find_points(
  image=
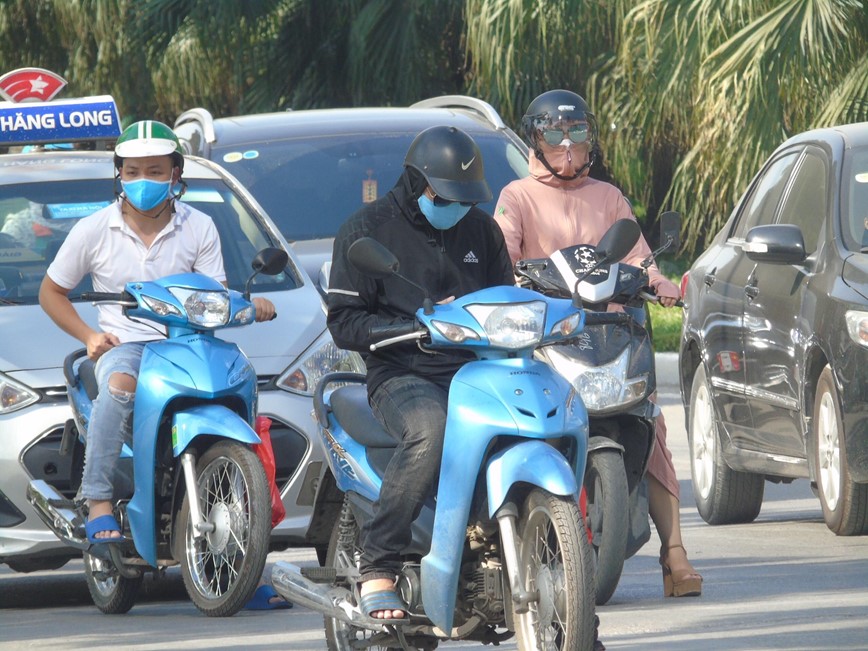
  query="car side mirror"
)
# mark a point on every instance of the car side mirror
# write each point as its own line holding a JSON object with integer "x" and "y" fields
{"x": 775, "y": 243}
{"x": 325, "y": 271}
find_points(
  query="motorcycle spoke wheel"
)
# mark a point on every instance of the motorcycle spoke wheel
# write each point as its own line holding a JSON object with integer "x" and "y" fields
{"x": 222, "y": 568}
{"x": 558, "y": 574}
{"x": 344, "y": 552}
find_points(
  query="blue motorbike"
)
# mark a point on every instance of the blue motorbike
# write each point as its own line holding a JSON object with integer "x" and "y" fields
{"x": 190, "y": 490}
{"x": 502, "y": 549}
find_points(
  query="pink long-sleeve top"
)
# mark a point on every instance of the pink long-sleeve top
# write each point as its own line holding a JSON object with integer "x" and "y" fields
{"x": 540, "y": 214}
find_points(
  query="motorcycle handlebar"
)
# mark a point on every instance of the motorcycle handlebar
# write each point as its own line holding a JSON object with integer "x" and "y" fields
{"x": 386, "y": 335}
{"x": 104, "y": 296}
{"x": 653, "y": 298}
{"x": 605, "y": 318}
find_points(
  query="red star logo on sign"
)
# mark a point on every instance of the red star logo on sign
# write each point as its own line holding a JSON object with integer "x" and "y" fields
{"x": 30, "y": 85}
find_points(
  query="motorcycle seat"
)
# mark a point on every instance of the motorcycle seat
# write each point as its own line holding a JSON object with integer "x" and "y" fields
{"x": 350, "y": 406}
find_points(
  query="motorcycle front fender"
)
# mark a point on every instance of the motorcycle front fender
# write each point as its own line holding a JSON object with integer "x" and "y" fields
{"x": 215, "y": 420}
{"x": 211, "y": 420}
{"x": 530, "y": 462}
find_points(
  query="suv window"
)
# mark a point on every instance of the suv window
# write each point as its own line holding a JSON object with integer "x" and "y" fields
{"x": 761, "y": 206}
{"x": 855, "y": 193}
{"x": 36, "y": 217}
{"x": 310, "y": 186}
{"x": 805, "y": 202}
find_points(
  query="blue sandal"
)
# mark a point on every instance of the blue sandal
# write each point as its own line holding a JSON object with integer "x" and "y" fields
{"x": 262, "y": 600}
{"x": 383, "y": 600}
{"x": 100, "y": 524}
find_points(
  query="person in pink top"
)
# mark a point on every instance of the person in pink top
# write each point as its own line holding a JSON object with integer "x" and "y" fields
{"x": 559, "y": 205}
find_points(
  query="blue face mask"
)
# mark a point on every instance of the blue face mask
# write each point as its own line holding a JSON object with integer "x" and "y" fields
{"x": 145, "y": 194}
{"x": 442, "y": 217}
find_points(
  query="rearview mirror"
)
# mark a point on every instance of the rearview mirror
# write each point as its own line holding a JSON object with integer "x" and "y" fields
{"x": 670, "y": 230}
{"x": 618, "y": 241}
{"x": 372, "y": 259}
{"x": 270, "y": 261}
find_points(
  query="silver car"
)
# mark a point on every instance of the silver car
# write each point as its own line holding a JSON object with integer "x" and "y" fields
{"x": 312, "y": 169}
{"x": 43, "y": 192}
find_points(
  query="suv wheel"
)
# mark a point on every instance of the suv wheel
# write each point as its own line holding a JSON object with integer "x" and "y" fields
{"x": 845, "y": 503}
{"x": 723, "y": 495}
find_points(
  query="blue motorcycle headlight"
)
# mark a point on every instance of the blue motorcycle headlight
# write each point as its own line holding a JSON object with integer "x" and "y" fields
{"x": 511, "y": 325}
{"x": 204, "y": 308}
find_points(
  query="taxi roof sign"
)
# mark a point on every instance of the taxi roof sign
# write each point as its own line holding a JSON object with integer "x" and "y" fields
{"x": 31, "y": 85}
{"x": 72, "y": 120}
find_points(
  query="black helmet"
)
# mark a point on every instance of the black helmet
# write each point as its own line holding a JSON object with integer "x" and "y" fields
{"x": 451, "y": 163}
{"x": 553, "y": 107}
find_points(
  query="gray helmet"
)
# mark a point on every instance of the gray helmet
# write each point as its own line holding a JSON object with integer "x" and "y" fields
{"x": 451, "y": 163}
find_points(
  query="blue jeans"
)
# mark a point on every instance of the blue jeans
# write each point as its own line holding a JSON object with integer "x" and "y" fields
{"x": 413, "y": 410}
{"x": 110, "y": 421}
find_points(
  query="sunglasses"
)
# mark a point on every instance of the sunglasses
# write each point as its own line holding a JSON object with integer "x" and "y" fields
{"x": 577, "y": 133}
{"x": 441, "y": 202}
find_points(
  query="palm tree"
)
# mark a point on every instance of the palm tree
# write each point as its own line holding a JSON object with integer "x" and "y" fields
{"x": 261, "y": 55}
{"x": 693, "y": 95}
{"x": 521, "y": 48}
{"x": 706, "y": 90}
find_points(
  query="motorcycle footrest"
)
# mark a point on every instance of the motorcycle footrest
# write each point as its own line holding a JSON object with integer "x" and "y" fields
{"x": 326, "y": 574}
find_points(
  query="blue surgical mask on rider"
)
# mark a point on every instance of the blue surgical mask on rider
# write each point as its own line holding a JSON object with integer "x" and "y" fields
{"x": 145, "y": 194}
{"x": 442, "y": 217}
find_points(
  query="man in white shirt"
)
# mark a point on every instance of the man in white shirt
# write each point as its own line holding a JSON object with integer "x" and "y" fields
{"x": 144, "y": 235}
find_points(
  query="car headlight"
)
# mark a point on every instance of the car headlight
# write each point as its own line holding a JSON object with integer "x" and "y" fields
{"x": 603, "y": 388}
{"x": 206, "y": 309}
{"x": 857, "y": 326}
{"x": 512, "y": 325}
{"x": 321, "y": 358}
{"x": 14, "y": 395}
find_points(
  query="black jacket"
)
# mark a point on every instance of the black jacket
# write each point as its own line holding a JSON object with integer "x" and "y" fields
{"x": 469, "y": 256}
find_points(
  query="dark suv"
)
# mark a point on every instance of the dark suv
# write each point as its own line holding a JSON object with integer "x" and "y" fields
{"x": 774, "y": 349}
{"x": 312, "y": 169}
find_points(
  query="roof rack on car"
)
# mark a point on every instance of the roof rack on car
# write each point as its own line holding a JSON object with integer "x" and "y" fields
{"x": 481, "y": 107}
{"x": 202, "y": 116}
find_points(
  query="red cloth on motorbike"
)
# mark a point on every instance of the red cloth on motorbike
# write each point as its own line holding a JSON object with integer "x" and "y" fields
{"x": 266, "y": 455}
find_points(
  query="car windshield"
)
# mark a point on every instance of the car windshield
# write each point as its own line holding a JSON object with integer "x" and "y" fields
{"x": 309, "y": 186}
{"x": 856, "y": 193}
{"x": 36, "y": 217}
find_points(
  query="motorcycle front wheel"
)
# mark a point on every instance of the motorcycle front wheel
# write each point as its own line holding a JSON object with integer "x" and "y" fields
{"x": 559, "y": 570}
{"x": 608, "y": 518}
{"x": 111, "y": 593}
{"x": 222, "y": 568}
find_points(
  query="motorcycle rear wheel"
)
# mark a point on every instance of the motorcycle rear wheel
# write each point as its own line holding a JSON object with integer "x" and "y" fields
{"x": 111, "y": 593}
{"x": 558, "y": 565}
{"x": 608, "y": 518}
{"x": 222, "y": 569}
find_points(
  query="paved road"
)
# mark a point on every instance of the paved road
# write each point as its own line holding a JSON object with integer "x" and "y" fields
{"x": 782, "y": 582}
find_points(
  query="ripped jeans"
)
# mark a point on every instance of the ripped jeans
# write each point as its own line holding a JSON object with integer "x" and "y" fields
{"x": 110, "y": 421}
